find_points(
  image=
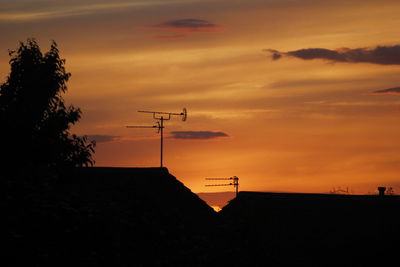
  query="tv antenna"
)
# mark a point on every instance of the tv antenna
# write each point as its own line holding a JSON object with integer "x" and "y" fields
{"x": 161, "y": 117}
{"x": 234, "y": 181}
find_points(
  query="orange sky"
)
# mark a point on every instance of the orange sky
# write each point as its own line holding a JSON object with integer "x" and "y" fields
{"x": 292, "y": 124}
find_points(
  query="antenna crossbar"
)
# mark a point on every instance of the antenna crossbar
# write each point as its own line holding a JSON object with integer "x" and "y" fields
{"x": 218, "y": 184}
{"x": 154, "y": 126}
{"x": 219, "y": 178}
{"x": 169, "y": 114}
{"x": 160, "y": 112}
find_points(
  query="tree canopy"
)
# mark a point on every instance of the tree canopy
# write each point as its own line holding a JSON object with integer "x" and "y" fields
{"x": 35, "y": 121}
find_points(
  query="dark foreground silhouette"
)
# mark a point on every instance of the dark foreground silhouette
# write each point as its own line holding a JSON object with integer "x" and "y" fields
{"x": 313, "y": 229}
{"x": 146, "y": 217}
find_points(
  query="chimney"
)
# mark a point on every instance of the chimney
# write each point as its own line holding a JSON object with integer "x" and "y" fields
{"x": 381, "y": 190}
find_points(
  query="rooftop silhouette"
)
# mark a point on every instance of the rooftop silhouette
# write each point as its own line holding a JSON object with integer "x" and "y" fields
{"x": 102, "y": 216}
{"x": 314, "y": 229}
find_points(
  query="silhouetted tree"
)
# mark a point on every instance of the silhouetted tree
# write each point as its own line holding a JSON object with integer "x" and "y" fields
{"x": 34, "y": 119}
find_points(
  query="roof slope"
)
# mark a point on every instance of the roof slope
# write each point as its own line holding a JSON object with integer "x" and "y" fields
{"x": 145, "y": 188}
{"x": 147, "y": 212}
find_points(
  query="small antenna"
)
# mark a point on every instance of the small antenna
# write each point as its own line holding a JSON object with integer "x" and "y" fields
{"x": 160, "y": 116}
{"x": 235, "y": 182}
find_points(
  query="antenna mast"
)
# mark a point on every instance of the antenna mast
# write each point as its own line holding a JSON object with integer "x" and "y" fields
{"x": 161, "y": 117}
{"x": 234, "y": 179}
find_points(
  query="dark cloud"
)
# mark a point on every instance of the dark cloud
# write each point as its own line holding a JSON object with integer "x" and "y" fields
{"x": 188, "y": 23}
{"x": 197, "y": 135}
{"x": 275, "y": 54}
{"x": 184, "y": 26}
{"x": 383, "y": 55}
{"x": 390, "y": 91}
{"x": 102, "y": 138}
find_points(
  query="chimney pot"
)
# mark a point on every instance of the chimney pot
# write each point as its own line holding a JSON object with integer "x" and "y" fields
{"x": 381, "y": 190}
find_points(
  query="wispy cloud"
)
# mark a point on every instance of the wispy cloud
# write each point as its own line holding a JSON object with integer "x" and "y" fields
{"x": 390, "y": 91}
{"x": 42, "y": 11}
{"x": 383, "y": 55}
{"x": 188, "y": 25}
{"x": 198, "y": 135}
{"x": 183, "y": 27}
{"x": 102, "y": 138}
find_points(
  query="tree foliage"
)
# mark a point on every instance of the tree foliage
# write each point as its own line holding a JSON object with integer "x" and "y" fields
{"x": 35, "y": 122}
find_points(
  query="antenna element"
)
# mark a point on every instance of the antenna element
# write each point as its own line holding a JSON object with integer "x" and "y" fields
{"x": 235, "y": 182}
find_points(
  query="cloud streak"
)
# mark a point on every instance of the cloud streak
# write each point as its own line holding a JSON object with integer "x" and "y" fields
{"x": 102, "y": 138}
{"x": 183, "y": 27}
{"x": 43, "y": 11}
{"x": 382, "y": 55}
{"x": 190, "y": 25}
{"x": 197, "y": 135}
{"x": 390, "y": 91}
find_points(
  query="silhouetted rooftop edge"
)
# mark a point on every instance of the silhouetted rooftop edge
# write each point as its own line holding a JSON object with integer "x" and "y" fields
{"x": 306, "y": 195}
{"x": 154, "y": 184}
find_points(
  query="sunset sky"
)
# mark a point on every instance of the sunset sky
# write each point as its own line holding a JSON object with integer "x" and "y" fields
{"x": 288, "y": 95}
